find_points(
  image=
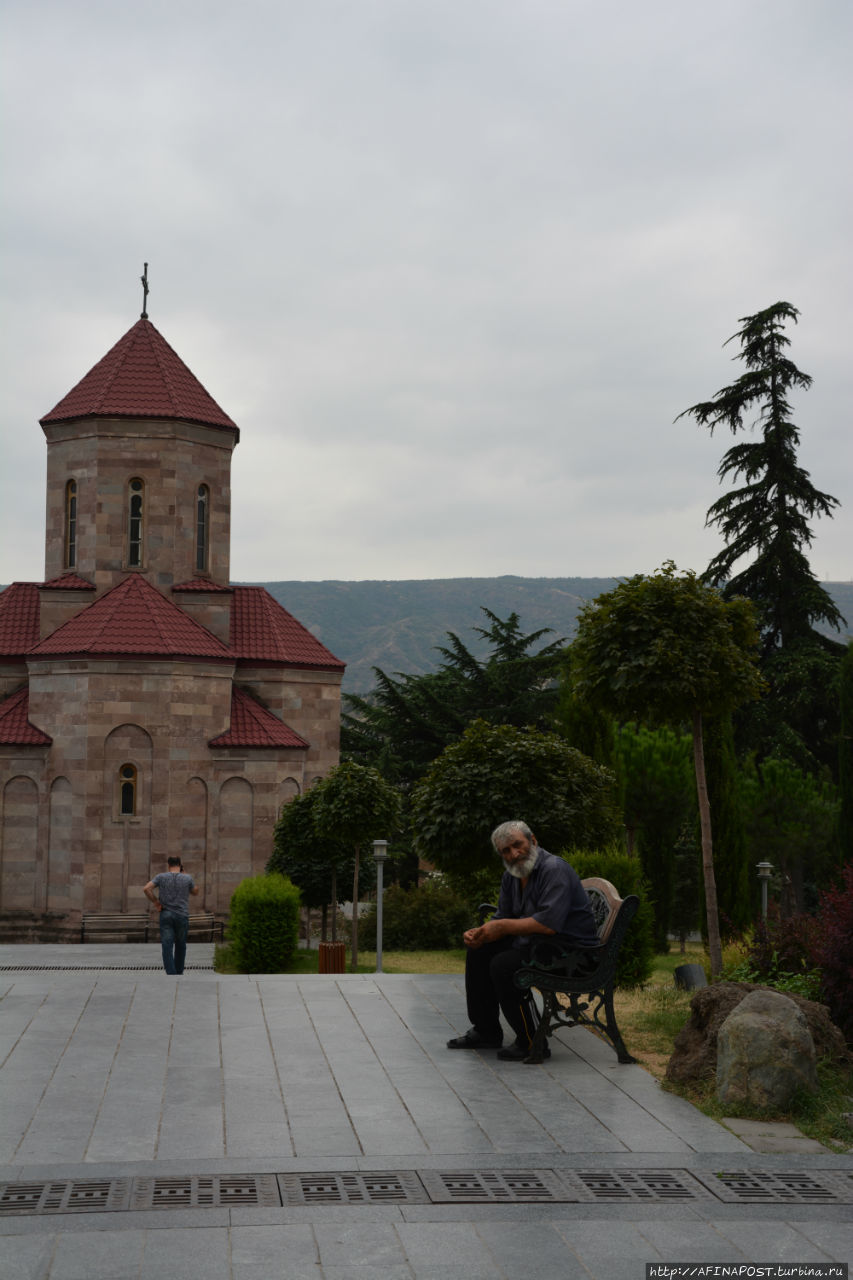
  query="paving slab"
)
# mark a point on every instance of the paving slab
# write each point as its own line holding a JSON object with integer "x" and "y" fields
{"x": 115, "y": 1074}
{"x": 772, "y": 1135}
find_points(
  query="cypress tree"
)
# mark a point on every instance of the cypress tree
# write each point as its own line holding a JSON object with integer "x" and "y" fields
{"x": 845, "y": 756}
{"x": 731, "y": 851}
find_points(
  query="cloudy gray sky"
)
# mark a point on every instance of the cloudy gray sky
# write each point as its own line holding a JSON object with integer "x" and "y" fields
{"x": 453, "y": 266}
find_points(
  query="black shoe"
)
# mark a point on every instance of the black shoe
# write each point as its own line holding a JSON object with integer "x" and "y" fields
{"x": 472, "y": 1039}
{"x": 520, "y": 1052}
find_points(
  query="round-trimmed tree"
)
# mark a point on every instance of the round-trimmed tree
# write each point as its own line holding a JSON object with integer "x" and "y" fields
{"x": 497, "y": 772}
{"x": 354, "y": 805}
{"x": 668, "y": 648}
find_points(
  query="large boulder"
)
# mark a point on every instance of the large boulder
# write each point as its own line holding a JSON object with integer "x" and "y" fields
{"x": 765, "y": 1053}
{"x": 694, "y": 1054}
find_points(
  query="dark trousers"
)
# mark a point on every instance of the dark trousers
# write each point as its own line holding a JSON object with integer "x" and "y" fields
{"x": 173, "y": 940}
{"x": 490, "y": 989}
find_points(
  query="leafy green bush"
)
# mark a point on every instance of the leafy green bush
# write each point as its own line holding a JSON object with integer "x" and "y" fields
{"x": 806, "y": 983}
{"x": 263, "y": 927}
{"x": 636, "y": 955}
{"x": 834, "y": 950}
{"x": 782, "y": 945}
{"x": 431, "y": 917}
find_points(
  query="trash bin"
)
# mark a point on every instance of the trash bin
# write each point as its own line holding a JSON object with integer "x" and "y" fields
{"x": 690, "y": 976}
{"x": 332, "y": 957}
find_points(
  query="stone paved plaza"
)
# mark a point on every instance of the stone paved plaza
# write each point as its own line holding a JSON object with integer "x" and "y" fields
{"x": 257, "y": 1128}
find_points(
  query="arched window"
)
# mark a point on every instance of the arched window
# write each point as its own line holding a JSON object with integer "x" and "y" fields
{"x": 71, "y": 524}
{"x": 202, "y": 527}
{"x": 135, "y": 495}
{"x": 127, "y": 790}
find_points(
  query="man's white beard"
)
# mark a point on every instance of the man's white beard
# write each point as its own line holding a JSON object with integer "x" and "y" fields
{"x": 521, "y": 870}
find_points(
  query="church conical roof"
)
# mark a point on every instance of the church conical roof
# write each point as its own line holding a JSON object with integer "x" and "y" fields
{"x": 141, "y": 377}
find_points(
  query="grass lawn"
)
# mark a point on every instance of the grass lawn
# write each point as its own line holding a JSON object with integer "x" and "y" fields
{"x": 305, "y": 961}
{"x": 651, "y": 1018}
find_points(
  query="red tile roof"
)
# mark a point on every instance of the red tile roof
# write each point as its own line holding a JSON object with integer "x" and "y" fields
{"x": 141, "y": 377}
{"x": 15, "y": 728}
{"x": 133, "y": 618}
{"x": 252, "y": 725}
{"x": 262, "y": 631}
{"x": 68, "y": 582}
{"x": 201, "y": 584}
{"x": 19, "y": 618}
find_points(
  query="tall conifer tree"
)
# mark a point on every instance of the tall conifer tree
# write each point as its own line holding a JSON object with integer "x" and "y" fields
{"x": 767, "y": 518}
{"x": 765, "y": 523}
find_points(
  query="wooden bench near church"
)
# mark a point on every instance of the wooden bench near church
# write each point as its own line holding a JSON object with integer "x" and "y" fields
{"x": 103, "y": 926}
{"x": 583, "y": 1000}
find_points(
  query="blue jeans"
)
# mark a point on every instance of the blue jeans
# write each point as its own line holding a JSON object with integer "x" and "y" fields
{"x": 173, "y": 940}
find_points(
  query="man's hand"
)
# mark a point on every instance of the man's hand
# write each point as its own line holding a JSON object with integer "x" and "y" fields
{"x": 494, "y": 929}
{"x": 488, "y": 932}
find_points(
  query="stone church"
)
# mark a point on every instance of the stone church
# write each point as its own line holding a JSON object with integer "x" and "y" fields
{"x": 147, "y": 705}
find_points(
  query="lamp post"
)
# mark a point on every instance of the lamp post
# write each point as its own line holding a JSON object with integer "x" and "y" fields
{"x": 764, "y": 872}
{"x": 380, "y": 853}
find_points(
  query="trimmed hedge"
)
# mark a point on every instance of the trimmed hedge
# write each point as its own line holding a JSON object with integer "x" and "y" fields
{"x": 431, "y": 917}
{"x": 263, "y": 926}
{"x": 636, "y": 955}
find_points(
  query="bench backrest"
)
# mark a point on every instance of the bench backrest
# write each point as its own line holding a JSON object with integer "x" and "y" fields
{"x": 605, "y": 903}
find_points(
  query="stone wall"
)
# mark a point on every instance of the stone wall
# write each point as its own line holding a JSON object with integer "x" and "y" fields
{"x": 66, "y": 847}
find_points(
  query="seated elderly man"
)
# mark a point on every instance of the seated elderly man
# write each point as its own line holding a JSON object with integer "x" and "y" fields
{"x": 541, "y": 901}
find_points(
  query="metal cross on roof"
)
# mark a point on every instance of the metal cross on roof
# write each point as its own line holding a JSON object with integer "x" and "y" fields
{"x": 144, "y": 279}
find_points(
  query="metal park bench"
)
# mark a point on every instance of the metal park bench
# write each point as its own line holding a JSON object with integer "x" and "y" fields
{"x": 104, "y": 926}
{"x": 570, "y": 999}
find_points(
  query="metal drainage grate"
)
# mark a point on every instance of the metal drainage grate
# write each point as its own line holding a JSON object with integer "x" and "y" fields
{"x": 98, "y": 968}
{"x": 89, "y": 1195}
{"x": 590, "y": 1185}
{"x": 396, "y": 1187}
{"x": 196, "y": 1192}
{"x": 407, "y": 1186}
{"x": 757, "y": 1186}
{"x": 475, "y": 1186}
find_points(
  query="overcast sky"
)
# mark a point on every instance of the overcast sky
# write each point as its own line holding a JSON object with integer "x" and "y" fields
{"x": 453, "y": 266}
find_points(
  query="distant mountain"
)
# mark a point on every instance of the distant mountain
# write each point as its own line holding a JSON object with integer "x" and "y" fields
{"x": 396, "y": 625}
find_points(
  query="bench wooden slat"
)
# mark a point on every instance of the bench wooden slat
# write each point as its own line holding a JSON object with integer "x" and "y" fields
{"x": 102, "y": 924}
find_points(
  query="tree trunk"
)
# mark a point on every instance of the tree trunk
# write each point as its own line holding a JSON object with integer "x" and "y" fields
{"x": 714, "y": 944}
{"x": 354, "y": 960}
{"x": 334, "y": 905}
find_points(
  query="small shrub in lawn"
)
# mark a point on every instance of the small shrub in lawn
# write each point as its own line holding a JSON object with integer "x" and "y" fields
{"x": 263, "y": 927}
{"x": 782, "y": 946}
{"x": 833, "y": 951}
{"x": 777, "y": 953}
{"x": 430, "y": 917}
{"x": 636, "y": 955}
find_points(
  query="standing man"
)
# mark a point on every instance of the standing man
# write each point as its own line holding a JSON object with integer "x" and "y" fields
{"x": 541, "y": 900}
{"x": 174, "y": 888}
